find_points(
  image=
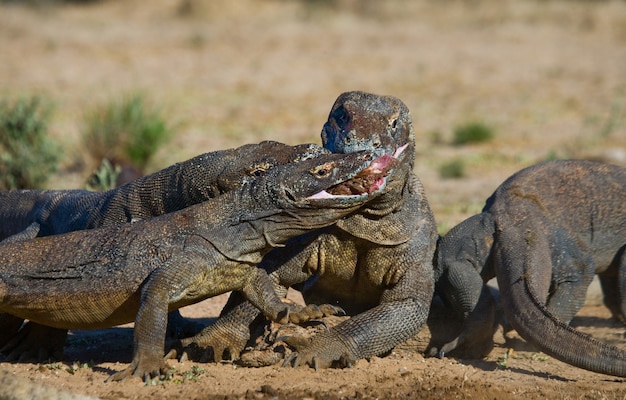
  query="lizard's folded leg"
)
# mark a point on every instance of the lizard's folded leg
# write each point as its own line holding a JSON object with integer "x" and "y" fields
{"x": 227, "y": 337}
{"x": 370, "y": 333}
{"x": 402, "y": 312}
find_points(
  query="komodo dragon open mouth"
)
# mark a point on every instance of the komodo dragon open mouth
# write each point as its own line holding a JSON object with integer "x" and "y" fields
{"x": 367, "y": 181}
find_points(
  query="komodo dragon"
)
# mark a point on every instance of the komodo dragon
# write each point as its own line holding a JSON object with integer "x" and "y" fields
{"x": 25, "y": 214}
{"x": 113, "y": 275}
{"x": 376, "y": 264}
{"x": 544, "y": 233}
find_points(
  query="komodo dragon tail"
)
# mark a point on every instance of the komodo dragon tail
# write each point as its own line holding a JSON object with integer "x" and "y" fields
{"x": 515, "y": 252}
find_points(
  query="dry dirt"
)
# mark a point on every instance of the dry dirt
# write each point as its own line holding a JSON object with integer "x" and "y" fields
{"x": 548, "y": 76}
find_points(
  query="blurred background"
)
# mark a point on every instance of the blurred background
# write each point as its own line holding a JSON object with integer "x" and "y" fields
{"x": 492, "y": 85}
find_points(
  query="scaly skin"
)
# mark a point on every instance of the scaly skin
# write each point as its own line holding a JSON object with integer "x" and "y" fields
{"x": 544, "y": 233}
{"x": 113, "y": 275}
{"x": 375, "y": 264}
{"x": 51, "y": 212}
{"x": 25, "y": 214}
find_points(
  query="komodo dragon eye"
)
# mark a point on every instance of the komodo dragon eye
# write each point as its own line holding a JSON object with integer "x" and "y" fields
{"x": 342, "y": 117}
{"x": 322, "y": 170}
{"x": 393, "y": 121}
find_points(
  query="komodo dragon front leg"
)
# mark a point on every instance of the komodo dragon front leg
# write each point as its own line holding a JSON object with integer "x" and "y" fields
{"x": 176, "y": 280}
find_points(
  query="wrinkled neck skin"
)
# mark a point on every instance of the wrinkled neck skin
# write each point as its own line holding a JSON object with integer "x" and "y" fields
{"x": 385, "y": 220}
{"x": 391, "y": 198}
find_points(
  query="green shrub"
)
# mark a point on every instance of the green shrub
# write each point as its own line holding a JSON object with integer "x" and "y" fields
{"x": 125, "y": 131}
{"x": 454, "y": 169}
{"x": 27, "y": 155}
{"x": 104, "y": 177}
{"x": 472, "y": 132}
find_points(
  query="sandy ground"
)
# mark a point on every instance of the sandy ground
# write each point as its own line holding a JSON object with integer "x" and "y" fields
{"x": 547, "y": 76}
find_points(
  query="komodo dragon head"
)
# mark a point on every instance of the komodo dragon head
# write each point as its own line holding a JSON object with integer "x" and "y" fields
{"x": 250, "y": 161}
{"x": 315, "y": 193}
{"x": 366, "y": 121}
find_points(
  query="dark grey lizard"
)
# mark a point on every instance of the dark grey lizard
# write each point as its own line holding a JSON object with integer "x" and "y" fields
{"x": 544, "y": 233}
{"x": 25, "y": 214}
{"x": 376, "y": 264}
{"x": 140, "y": 271}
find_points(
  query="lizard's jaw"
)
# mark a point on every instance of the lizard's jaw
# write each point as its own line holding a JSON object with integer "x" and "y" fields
{"x": 370, "y": 180}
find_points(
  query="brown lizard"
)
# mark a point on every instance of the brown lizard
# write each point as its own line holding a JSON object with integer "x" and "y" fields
{"x": 140, "y": 271}
{"x": 25, "y": 214}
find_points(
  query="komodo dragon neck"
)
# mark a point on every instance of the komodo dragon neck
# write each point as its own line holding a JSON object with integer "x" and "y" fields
{"x": 383, "y": 220}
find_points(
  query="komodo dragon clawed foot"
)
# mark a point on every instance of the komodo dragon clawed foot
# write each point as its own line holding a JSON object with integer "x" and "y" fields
{"x": 301, "y": 314}
{"x": 214, "y": 343}
{"x": 145, "y": 367}
{"x": 471, "y": 338}
{"x": 222, "y": 341}
{"x": 34, "y": 342}
{"x": 324, "y": 350}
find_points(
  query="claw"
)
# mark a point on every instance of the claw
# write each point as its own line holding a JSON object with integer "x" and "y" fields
{"x": 316, "y": 322}
{"x": 329, "y": 309}
{"x": 171, "y": 355}
{"x": 290, "y": 360}
{"x": 119, "y": 376}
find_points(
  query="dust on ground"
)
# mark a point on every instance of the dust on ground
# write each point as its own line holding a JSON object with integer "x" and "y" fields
{"x": 92, "y": 356}
{"x": 547, "y": 76}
